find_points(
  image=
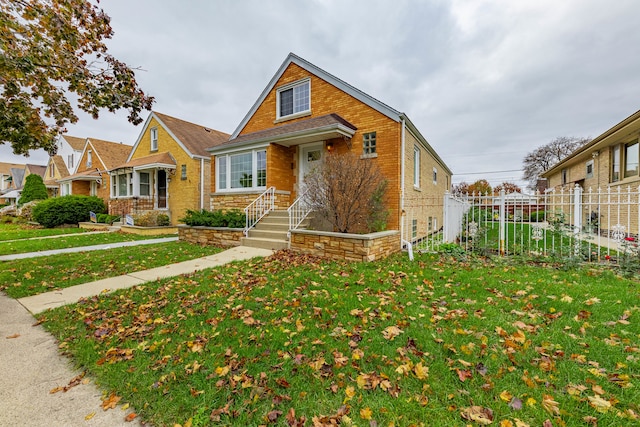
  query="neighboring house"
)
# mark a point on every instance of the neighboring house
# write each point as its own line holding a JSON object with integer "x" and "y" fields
{"x": 56, "y": 170}
{"x": 92, "y": 177}
{"x": 167, "y": 170}
{"x": 70, "y": 149}
{"x": 6, "y": 177}
{"x": 607, "y": 169}
{"x": 305, "y": 113}
{"x": 30, "y": 169}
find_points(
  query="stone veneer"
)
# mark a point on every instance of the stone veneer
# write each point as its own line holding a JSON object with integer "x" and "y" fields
{"x": 342, "y": 246}
{"x": 215, "y": 236}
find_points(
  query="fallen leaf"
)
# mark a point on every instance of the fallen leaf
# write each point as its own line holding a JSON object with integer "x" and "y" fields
{"x": 506, "y": 396}
{"x": 600, "y": 404}
{"x": 366, "y": 413}
{"x": 390, "y": 332}
{"x": 132, "y": 416}
{"x": 13, "y": 336}
{"x": 89, "y": 416}
{"x": 421, "y": 371}
{"x": 515, "y": 404}
{"x": 550, "y": 405}
{"x": 479, "y": 414}
{"x": 110, "y": 402}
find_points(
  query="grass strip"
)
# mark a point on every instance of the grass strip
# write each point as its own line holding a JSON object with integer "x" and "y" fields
{"x": 25, "y": 231}
{"x": 20, "y": 278}
{"x": 439, "y": 341}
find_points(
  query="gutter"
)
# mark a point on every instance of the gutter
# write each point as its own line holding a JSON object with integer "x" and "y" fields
{"x": 201, "y": 184}
{"x": 402, "y": 166}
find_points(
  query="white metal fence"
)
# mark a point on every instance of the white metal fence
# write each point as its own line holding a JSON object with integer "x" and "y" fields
{"x": 590, "y": 224}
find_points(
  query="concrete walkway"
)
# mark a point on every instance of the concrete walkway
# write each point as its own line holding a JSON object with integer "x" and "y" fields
{"x": 87, "y": 248}
{"x": 31, "y": 365}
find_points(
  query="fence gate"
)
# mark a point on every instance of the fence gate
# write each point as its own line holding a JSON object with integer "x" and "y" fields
{"x": 592, "y": 225}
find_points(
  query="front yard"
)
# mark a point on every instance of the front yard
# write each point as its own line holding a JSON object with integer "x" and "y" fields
{"x": 294, "y": 340}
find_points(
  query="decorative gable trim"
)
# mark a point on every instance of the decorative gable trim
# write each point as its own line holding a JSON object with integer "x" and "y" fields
{"x": 329, "y": 78}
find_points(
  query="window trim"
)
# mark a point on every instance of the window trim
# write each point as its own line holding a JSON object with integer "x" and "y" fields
{"x": 89, "y": 158}
{"x": 591, "y": 164}
{"x": 626, "y": 158}
{"x": 564, "y": 176}
{"x": 154, "y": 138}
{"x": 293, "y": 85}
{"x": 115, "y": 185}
{"x": 369, "y": 144}
{"x": 416, "y": 167}
{"x": 226, "y": 158}
{"x": 141, "y": 183}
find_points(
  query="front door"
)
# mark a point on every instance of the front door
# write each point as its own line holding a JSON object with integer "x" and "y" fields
{"x": 310, "y": 158}
{"x": 162, "y": 189}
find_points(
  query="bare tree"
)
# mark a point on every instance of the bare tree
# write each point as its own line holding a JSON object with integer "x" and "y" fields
{"x": 544, "y": 157}
{"x": 460, "y": 188}
{"x": 348, "y": 192}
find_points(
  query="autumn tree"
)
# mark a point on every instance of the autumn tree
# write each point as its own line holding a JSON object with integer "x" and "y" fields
{"x": 348, "y": 192}
{"x": 508, "y": 187}
{"x": 544, "y": 157}
{"x": 460, "y": 188}
{"x": 52, "y": 51}
{"x": 481, "y": 186}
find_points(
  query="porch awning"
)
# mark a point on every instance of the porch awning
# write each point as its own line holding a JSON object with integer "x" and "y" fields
{"x": 89, "y": 175}
{"x": 309, "y": 130}
{"x": 13, "y": 194}
{"x": 154, "y": 161}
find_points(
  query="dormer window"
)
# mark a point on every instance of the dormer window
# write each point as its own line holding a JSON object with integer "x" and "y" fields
{"x": 154, "y": 139}
{"x": 293, "y": 99}
{"x": 89, "y": 160}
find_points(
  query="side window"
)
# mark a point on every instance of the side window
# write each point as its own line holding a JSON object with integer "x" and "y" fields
{"x": 154, "y": 139}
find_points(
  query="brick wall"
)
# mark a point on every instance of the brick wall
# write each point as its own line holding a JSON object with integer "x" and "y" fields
{"x": 350, "y": 247}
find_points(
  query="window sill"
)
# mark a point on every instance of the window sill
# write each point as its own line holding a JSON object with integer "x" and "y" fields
{"x": 416, "y": 188}
{"x": 293, "y": 116}
{"x": 369, "y": 156}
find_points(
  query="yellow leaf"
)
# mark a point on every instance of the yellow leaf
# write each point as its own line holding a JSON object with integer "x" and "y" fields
{"x": 422, "y": 372}
{"x": 550, "y": 405}
{"x": 520, "y": 423}
{"x": 89, "y": 416}
{"x": 362, "y": 380}
{"x": 366, "y": 413}
{"x": 222, "y": 371}
{"x": 350, "y": 392}
{"x": 600, "y": 404}
{"x": 506, "y": 423}
{"x": 27, "y": 275}
{"x": 531, "y": 401}
{"x": 506, "y": 396}
{"x": 519, "y": 336}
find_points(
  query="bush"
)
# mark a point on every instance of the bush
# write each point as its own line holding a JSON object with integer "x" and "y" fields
{"x": 104, "y": 218}
{"x": 537, "y": 216}
{"x": 34, "y": 189}
{"x": 151, "y": 219}
{"x": 233, "y": 218}
{"x": 66, "y": 210}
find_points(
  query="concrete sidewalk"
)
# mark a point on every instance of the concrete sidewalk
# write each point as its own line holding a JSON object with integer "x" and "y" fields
{"x": 87, "y": 248}
{"x": 31, "y": 366}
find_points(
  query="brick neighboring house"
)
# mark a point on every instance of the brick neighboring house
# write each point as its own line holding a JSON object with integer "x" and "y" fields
{"x": 608, "y": 169}
{"x": 92, "y": 170}
{"x": 168, "y": 169}
{"x": 305, "y": 113}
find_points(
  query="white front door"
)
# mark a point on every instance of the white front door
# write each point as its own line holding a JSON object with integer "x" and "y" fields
{"x": 310, "y": 158}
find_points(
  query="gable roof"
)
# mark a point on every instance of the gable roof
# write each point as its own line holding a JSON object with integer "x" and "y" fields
{"x": 36, "y": 169}
{"x": 329, "y": 78}
{"x": 60, "y": 165}
{"x": 5, "y": 168}
{"x": 194, "y": 139}
{"x": 76, "y": 143}
{"x": 159, "y": 159}
{"x": 110, "y": 154}
{"x": 328, "y": 124}
{"x": 17, "y": 175}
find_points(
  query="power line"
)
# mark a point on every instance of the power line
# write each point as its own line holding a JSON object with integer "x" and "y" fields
{"x": 484, "y": 173}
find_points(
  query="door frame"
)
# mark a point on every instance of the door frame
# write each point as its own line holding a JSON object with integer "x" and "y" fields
{"x": 303, "y": 150}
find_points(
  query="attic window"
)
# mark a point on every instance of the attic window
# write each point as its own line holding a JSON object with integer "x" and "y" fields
{"x": 89, "y": 160}
{"x": 154, "y": 139}
{"x": 293, "y": 99}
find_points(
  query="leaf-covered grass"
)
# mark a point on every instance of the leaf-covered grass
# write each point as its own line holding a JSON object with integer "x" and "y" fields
{"x": 26, "y": 231}
{"x": 63, "y": 242}
{"x": 293, "y": 340}
{"x": 20, "y": 278}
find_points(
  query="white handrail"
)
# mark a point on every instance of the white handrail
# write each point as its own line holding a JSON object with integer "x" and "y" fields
{"x": 298, "y": 211}
{"x": 261, "y": 206}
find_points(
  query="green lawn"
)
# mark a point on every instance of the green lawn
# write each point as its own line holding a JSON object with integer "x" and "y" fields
{"x": 62, "y": 242}
{"x": 20, "y": 278}
{"x": 294, "y": 340}
{"x": 25, "y": 231}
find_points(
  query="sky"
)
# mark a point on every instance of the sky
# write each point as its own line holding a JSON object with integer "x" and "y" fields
{"x": 485, "y": 81}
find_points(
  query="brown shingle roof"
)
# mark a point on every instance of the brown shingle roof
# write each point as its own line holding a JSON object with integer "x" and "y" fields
{"x": 61, "y": 167}
{"x": 302, "y": 125}
{"x": 162, "y": 158}
{"x": 5, "y": 168}
{"x": 111, "y": 153}
{"x": 196, "y": 138}
{"x": 37, "y": 169}
{"x": 75, "y": 142}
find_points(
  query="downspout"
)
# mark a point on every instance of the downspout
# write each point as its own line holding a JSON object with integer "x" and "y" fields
{"x": 201, "y": 184}
{"x": 402, "y": 166}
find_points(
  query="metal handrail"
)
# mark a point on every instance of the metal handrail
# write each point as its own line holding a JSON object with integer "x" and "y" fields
{"x": 257, "y": 209}
{"x": 298, "y": 211}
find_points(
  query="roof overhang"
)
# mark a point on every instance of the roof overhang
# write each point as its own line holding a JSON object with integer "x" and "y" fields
{"x": 13, "y": 194}
{"x": 93, "y": 176}
{"x": 322, "y": 133}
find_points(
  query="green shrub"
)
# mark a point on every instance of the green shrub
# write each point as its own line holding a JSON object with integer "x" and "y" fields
{"x": 151, "y": 219}
{"x": 537, "y": 216}
{"x": 34, "y": 189}
{"x": 233, "y": 218}
{"x": 66, "y": 210}
{"x": 104, "y": 218}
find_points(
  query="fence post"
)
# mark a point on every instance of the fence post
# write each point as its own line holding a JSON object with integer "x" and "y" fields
{"x": 503, "y": 222}
{"x": 577, "y": 218}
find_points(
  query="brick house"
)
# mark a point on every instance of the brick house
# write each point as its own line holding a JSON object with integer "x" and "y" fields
{"x": 607, "y": 168}
{"x": 92, "y": 177}
{"x": 168, "y": 169}
{"x": 305, "y": 113}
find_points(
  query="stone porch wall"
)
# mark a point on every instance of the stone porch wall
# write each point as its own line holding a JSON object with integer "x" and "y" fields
{"x": 226, "y": 201}
{"x": 215, "y": 236}
{"x": 349, "y": 247}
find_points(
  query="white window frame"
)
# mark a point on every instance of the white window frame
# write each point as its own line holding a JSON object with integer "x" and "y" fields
{"x": 588, "y": 165}
{"x": 416, "y": 167}
{"x": 65, "y": 189}
{"x": 154, "y": 139}
{"x": 115, "y": 185}
{"x": 226, "y": 159}
{"x": 93, "y": 188}
{"x": 148, "y": 183}
{"x": 297, "y": 84}
{"x": 89, "y": 159}
{"x": 435, "y": 176}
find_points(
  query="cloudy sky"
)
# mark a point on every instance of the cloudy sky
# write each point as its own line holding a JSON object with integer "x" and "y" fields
{"x": 485, "y": 81}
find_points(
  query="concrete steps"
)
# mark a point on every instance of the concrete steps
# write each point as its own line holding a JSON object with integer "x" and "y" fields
{"x": 271, "y": 232}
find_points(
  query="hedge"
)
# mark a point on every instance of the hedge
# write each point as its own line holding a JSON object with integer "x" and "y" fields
{"x": 67, "y": 210}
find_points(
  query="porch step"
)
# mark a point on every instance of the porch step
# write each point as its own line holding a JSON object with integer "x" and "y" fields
{"x": 274, "y": 244}
{"x": 268, "y": 233}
